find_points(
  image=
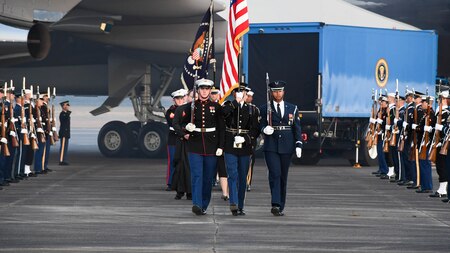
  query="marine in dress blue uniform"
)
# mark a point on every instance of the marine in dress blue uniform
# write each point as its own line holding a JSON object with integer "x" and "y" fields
{"x": 12, "y": 133}
{"x": 242, "y": 128}
{"x": 178, "y": 99}
{"x": 205, "y": 141}
{"x": 39, "y": 154}
{"x": 282, "y": 136}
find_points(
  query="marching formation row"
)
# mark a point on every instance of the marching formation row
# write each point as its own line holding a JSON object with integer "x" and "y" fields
{"x": 408, "y": 135}
{"x": 28, "y": 130}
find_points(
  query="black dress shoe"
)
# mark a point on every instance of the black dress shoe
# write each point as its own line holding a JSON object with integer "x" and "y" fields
{"x": 414, "y": 187}
{"x": 424, "y": 191}
{"x": 225, "y": 198}
{"x": 13, "y": 181}
{"x": 48, "y": 170}
{"x": 438, "y": 195}
{"x": 379, "y": 175}
{"x": 32, "y": 174}
{"x": 445, "y": 200}
{"x": 234, "y": 209}
{"x": 410, "y": 183}
{"x": 276, "y": 211}
{"x": 63, "y": 163}
{"x": 4, "y": 184}
{"x": 179, "y": 196}
{"x": 189, "y": 196}
{"x": 197, "y": 210}
{"x": 249, "y": 188}
{"x": 241, "y": 212}
{"x": 384, "y": 176}
{"x": 376, "y": 172}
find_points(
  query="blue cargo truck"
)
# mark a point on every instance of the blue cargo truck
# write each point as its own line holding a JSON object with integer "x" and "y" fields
{"x": 330, "y": 72}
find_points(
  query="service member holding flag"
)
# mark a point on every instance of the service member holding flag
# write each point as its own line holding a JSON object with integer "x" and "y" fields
{"x": 282, "y": 136}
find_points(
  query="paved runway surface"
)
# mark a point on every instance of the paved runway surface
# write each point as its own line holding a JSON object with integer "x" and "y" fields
{"x": 119, "y": 205}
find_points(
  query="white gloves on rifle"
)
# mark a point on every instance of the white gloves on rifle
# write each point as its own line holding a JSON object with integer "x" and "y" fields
{"x": 298, "y": 152}
{"x": 395, "y": 121}
{"x": 190, "y": 127}
{"x": 414, "y": 126}
{"x": 268, "y": 130}
{"x": 428, "y": 128}
{"x": 405, "y": 124}
{"x": 387, "y": 127}
{"x": 239, "y": 139}
{"x": 379, "y": 121}
{"x": 372, "y": 120}
{"x": 219, "y": 152}
{"x": 439, "y": 127}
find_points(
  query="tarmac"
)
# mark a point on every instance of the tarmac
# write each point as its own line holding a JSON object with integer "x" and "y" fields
{"x": 99, "y": 204}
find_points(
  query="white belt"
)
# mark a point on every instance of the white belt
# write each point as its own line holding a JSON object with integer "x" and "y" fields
{"x": 205, "y": 130}
{"x": 171, "y": 128}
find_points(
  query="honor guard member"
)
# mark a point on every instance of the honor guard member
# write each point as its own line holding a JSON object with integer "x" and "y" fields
{"x": 12, "y": 137}
{"x": 414, "y": 137}
{"x": 3, "y": 140}
{"x": 31, "y": 120}
{"x": 282, "y": 136}
{"x": 64, "y": 132}
{"x": 409, "y": 166}
{"x": 19, "y": 159}
{"x": 389, "y": 156}
{"x": 46, "y": 117}
{"x": 39, "y": 154}
{"x": 441, "y": 192}
{"x": 249, "y": 100}
{"x": 241, "y": 122}
{"x": 425, "y": 130}
{"x": 381, "y": 121}
{"x": 398, "y": 125}
{"x": 214, "y": 96}
{"x": 205, "y": 134}
{"x": 178, "y": 100}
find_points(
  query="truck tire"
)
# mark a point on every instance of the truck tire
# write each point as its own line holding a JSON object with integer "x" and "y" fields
{"x": 308, "y": 158}
{"x": 113, "y": 139}
{"x": 134, "y": 128}
{"x": 153, "y": 140}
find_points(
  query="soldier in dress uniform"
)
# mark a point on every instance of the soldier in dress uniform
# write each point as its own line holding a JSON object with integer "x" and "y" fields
{"x": 414, "y": 124}
{"x": 31, "y": 119}
{"x": 399, "y": 169}
{"x": 389, "y": 156}
{"x": 441, "y": 192}
{"x": 381, "y": 121}
{"x": 282, "y": 136}
{"x": 410, "y": 166}
{"x": 426, "y": 181}
{"x": 64, "y": 132}
{"x": 12, "y": 133}
{"x": 2, "y": 157}
{"x": 39, "y": 158}
{"x": 178, "y": 97}
{"x": 249, "y": 100}
{"x": 19, "y": 158}
{"x": 241, "y": 121}
{"x": 204, "y": 132}
{"x": 46, "y": 118}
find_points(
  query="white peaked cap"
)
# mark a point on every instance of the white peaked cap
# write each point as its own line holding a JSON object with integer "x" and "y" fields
{"x": 391, "y": 94}
{"x": 204, "y": 82}
{"x": 27, "y": 91}
{"x": 179, "y": 93}
{"x": 250, "y": 93}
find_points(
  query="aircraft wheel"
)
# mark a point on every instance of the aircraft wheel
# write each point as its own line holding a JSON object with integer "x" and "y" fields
{"x": 364, "y": 158}
{"x": 153, "y": 139}
{"x": 113, "y": 139}
{"x": 134, "y": 127}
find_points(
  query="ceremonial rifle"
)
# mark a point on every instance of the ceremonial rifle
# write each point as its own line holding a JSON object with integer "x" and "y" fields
{"x": 49, "y": 121}
{"x": 393, "y": 141}
{"x": 437, "y": 133}
{"x": 23, "y": 124}
{"x": 412, "y": 154}
{"x": 12, "y": 125}
{"x": 4, "y": 140}
{"x": 40, "y": 129}
{"x": 404, "y": 131}
{"x": 33, "y": 140}
{"x": 426, "y": 135}
{"x": 378, "y": 125}
{"x": 55, "y": 133}
{"x": 387, "y": 131}
{"x": 371, "y": 128}
{"x": 269, "y": 102}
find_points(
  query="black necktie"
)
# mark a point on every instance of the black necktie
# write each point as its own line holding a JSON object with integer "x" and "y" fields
{"x": 279, "y": 110}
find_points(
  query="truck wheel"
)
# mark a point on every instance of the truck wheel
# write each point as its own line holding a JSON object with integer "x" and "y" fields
{"x": 153, "y": 139}
{"x": 134, "y": 127}
{"x": 308, "y": 158}
{"x": 113, "y": 139}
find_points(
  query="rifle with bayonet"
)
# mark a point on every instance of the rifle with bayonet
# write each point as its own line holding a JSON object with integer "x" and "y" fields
{"x": 12, "y": 125}
{"x": 393, "y": 141}
{"x": 33, "y": 137}
{"x": 412, "y": 154}
{"x": 404, "y": 131}
{"x": 269, "y": 101}
{"x": 387, "y": 130}
{"x": 426, "y": 135}
{"x": 371, "y": 129}
{"x": 437, "y": 133}
{"x": 4, "y": 140}
{"x": 40, "y": 128}
{"x": 55, "y": 133}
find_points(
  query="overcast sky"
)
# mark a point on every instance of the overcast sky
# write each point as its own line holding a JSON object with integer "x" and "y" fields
{"x": 8, "y": 33}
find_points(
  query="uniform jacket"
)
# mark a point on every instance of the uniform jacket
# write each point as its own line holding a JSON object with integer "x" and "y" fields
{"x": 207, "y": 115}
{"x": 282, "y": 141}
{"x": 64, "y": 128}
{"x": 421, "y": 127}
{"x": 248, "y": 121}
{"x": 170, "y": 114}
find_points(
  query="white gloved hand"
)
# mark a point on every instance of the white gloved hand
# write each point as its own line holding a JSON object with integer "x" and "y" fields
{"x": 387, "y": 127}
{"x": 395, "y": 121}
{"x": 190, "y": 127}
{"x": 4, "y": 140}
{"x": 268, "y": 130}
{"x": 414, "y": 126}
{"x": 372, "y": 120}
{"x": 379, "y": 121}
{"x": 298, "y": 152}
{"x": 428, "y": 129}
{"x": 405, "y": 124}
{"x": 439, "y": 127}
{"x": 219, "y": 152}
{"x": 239, "y": 139}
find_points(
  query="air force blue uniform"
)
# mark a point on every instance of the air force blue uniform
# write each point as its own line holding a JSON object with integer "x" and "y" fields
{"x": 278, "y": 148}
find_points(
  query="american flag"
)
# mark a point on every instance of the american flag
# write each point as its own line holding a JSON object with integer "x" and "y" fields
{"x": 238, "y": 25}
